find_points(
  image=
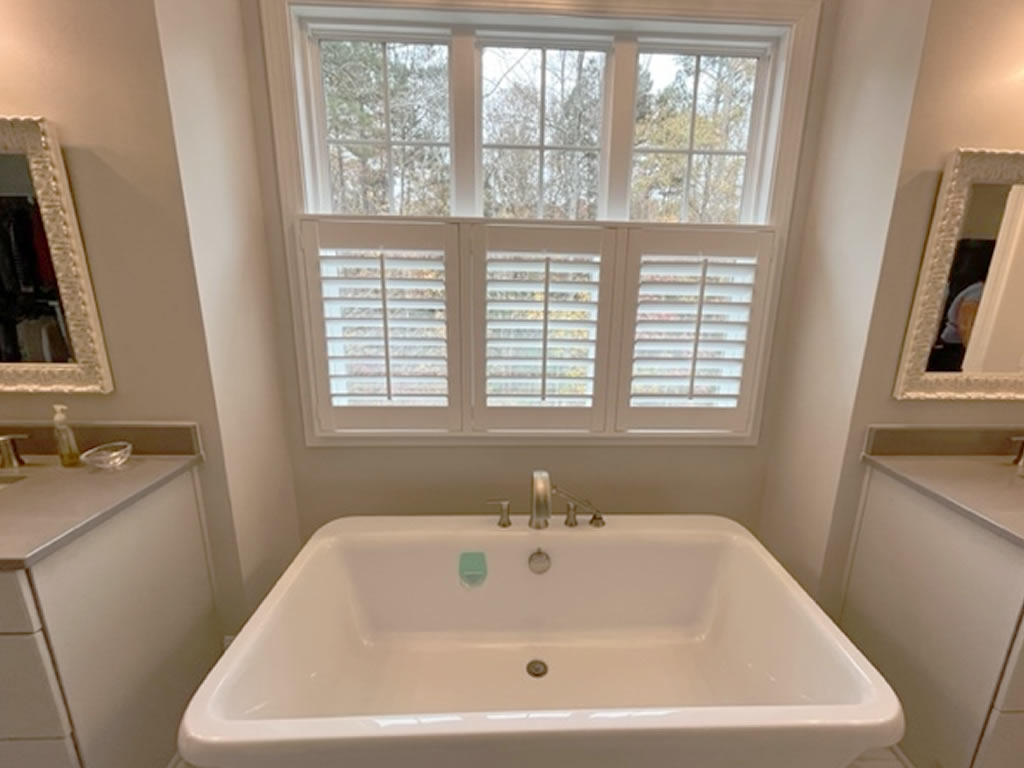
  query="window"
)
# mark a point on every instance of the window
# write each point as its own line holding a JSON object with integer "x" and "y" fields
{"x": 385, "y": 121}
{"x": 692, "y": 137}
{"x": 522, "y": 225}
{"x": 541, "y": 131}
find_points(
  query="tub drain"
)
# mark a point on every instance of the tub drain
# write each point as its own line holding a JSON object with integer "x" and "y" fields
{"x": 536, "y": 668}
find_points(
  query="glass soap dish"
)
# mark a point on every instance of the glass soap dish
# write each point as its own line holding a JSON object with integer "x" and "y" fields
{"x": 108, "y": 455}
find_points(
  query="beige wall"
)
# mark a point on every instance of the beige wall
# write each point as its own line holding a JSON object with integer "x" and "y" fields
{"x": 94, "y": 70}
{"x": 207, "y": 77}
{"x": 359, "y": 481}
{"x": 970, "y": 94}
{"x": 173, "y": 225}
{"x": 875, "y": 50}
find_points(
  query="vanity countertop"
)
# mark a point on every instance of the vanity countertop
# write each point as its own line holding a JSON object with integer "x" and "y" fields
{"x": 984, "y": 487}
{"x": 54, "y": 505}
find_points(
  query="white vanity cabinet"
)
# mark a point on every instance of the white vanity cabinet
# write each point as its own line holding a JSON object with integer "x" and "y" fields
{"x": 1003, "y": 743}
{"x": 34, "y": 725}
{"x": 104, "y": 638}
{"x": 934, "y": 599}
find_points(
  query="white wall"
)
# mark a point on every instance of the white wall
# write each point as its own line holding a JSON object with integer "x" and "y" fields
{"x": 207, "y": 79}
{"x": 970, "y": 94}
{"x": 874, "y": 57}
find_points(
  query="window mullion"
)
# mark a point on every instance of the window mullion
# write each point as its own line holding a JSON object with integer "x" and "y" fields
{"x": 543, "y": 116}
{"x": 387, "y": 130}
{"x": 687, "y": 185}
{"x": 617, "y": 141}
{"x": 464, "y": 87}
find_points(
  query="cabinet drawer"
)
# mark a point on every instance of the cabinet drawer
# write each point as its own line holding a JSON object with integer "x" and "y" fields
{"x": 31, "y": 706}
{"x": 1011, "y": 690}
{"x": 17, "y": 607}
{"x": 1002, "y": 746}
{"x": 39, "y": 753}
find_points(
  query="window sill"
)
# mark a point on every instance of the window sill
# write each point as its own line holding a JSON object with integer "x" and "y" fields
{"x": 499, "y": 438}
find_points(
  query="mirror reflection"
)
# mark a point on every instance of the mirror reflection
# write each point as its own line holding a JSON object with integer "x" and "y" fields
{"x": 32, "y": 322}
{"x": 980, "y": 330}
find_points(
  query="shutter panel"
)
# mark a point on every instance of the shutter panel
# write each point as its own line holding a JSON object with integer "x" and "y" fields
{"x": 541, "y": 319}
{"x": 541, "y": 329}
{"x": 694, "y": 321}
{"x": 384, "y": 300}
{"x": 693, "y": 313}
{"x": 385, "y": 320}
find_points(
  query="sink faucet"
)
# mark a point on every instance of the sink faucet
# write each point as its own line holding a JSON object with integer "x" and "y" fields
{"x": 540, "y": 499}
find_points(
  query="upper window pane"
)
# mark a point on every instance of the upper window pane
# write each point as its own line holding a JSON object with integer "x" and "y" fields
{"x": 692, "y": 137}
{"x": 387, "y": 116}
{"x": 541, "y": 131}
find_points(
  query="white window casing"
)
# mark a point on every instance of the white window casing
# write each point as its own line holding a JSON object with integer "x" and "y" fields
{"x": 540, "y": 317}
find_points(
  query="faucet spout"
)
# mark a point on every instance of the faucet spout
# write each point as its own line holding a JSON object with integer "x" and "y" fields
{"x": 540, "y": 499}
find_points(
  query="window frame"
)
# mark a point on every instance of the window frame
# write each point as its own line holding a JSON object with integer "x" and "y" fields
{"x": 785, "y": 96}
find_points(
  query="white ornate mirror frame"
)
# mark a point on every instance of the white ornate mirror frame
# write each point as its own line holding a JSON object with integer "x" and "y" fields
{"x": 90, "y": 371}
{"x": 914, "y": 381}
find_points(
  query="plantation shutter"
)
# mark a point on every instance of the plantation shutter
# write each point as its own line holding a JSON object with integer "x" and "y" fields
{"x": 694, "y": 308}
{"x": 543, "y": 296}
{"x": 388, "y": 304}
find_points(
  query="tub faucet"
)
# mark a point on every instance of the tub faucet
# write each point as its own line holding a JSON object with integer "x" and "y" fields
{"x": 540, "y": 499}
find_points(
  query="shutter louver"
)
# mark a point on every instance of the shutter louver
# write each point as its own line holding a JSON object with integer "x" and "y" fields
{"x": 386, "y": 327}
{"x": 541, "y": 329}
{"x": 692, "y": 320}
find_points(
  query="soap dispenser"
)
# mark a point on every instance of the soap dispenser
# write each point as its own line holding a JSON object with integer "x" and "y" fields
{"x": 67, "y": 447}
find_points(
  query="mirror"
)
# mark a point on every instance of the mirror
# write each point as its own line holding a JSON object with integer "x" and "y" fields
{"x": 50, "y": 335}
{"x": 965, "y": 339}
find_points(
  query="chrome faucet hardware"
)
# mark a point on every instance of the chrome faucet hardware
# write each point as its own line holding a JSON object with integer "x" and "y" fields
{"x": 10, "y": 459}
{"x": 570, "y": 515}
{"x": 1019, "y": 461}
{"x": 540, "y": 500}
{"x": 504, "y": 511}
{"x": 572, "y": 502}
{"x": 540, "y": 562}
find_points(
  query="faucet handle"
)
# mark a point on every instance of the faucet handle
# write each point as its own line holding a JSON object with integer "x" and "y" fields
{"x": 504, "y": 511}
{"x": 572, "y": 503}
{"x": 1019, "y": 461}
{"x": 9, "y": 456}
{"x": 570, "y": 514}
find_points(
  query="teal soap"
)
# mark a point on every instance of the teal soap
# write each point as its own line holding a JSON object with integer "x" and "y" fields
{"x": 472, "y": 568}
